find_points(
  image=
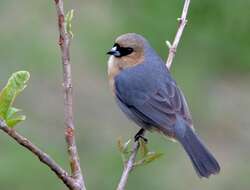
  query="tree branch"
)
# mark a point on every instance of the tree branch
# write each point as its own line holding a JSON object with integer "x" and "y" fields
{"x": 128, "y": 166}
{"x": 64, "y": 42}
{"x": 43, "y": 157}
{"x": 182, "y": 23}
{"x": 76, "y": 181}
{"x": 172, "y": 50}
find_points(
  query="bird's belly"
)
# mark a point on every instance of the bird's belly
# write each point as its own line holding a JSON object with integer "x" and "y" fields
{"x": 131, "y": 115}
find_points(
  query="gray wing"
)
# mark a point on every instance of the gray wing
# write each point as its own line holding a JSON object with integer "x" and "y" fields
{"x": 157, "y": 106}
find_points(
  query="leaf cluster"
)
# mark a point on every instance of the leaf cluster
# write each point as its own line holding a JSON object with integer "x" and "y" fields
{"x": 145, "y": 157}
{"x": 15, "y": 85}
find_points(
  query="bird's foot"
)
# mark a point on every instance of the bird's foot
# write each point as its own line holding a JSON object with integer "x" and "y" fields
{"x": 139, "y": 135}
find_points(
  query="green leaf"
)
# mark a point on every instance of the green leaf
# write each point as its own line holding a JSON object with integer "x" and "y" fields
{"x": 12, "y": 112}
{"x": 12, "y": 122}
{"x": 120, "y": 144}
{"x": 123, "y": 147}
{"x": 15, "y": 85}
{"x": 68, "y": 18}
{"x": 143, "y": 147}
{"x": 126, "y": 146}
{"x": 151, "y": 156}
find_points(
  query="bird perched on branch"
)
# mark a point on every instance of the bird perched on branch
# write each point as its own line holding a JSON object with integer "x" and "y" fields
{"x": 149, "y": 96}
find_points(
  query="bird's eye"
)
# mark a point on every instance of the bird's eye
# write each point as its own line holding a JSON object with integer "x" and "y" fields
{"x": 129, "y": 50}
{"x": 125, "y": 51}
{"x": 119, "y": 51}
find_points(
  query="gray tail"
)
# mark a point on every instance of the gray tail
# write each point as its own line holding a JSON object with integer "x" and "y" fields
{"x": 203, "y": 161}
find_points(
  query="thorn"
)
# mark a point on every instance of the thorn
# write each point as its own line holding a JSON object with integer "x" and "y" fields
{"x": 182, "y": 20}
{"x": 169, "y": 44}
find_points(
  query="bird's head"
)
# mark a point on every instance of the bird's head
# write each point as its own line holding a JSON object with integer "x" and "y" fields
{"x": 128, "y": 50}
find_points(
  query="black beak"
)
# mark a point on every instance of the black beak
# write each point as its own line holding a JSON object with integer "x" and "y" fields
{"x": 114, "y": 52}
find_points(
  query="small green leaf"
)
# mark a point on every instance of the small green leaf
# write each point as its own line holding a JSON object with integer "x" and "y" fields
{"x": 12, "y": 112}
{"x": 12, "y": 122}
{"x": 143, "y": 147}
{"x": 68, "y": 18}
{"x": 139, "y": 163}
{"x": 125, "y": 147}
{"x": 151, "y": 156}
{"x": 16, "y": 84}
{"x": 120, "y": 144}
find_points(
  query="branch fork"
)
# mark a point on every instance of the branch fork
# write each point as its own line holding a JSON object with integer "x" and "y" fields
{"x": 75, "y": 181}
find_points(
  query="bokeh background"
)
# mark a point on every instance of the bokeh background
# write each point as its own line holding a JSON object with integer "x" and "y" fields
{"x": 212, "y": 66}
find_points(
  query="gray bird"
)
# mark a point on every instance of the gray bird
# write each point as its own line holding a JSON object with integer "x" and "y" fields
{"x": 149, "y": 96}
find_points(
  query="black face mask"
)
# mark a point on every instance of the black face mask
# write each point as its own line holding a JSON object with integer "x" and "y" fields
{"x": 119, "y": 51}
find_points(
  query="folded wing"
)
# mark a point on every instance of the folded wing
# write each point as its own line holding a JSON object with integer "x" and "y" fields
{"x": 158, "y": 107}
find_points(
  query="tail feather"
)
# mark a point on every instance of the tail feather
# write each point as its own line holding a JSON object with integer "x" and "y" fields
{"x": 203, "y": 161}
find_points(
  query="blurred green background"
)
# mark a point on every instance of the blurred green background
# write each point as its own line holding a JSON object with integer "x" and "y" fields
{"x": 212, "y": 66}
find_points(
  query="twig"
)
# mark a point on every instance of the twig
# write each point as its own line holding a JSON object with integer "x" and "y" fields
{"x": 128, "y": 166}
{"x": 182, "y": 23}
{"x": 43, "y": 157}
{"x": 64, "y": 42}
{"x": 172, "y": 50}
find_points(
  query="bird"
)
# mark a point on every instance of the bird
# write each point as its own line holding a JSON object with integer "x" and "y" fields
{"x": 148, "y": 95}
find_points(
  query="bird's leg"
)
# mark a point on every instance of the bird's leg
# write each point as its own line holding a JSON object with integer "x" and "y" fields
{"x": 139, "y": 135}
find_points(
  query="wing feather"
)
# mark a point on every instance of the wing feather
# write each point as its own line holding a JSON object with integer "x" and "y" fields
{"x": 158, "y": 107}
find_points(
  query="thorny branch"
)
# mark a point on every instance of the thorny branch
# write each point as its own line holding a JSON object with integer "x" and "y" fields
{"x": 182, "y": 23}
{"x": 172, "y": 50}
{"x": 64, "y": 42}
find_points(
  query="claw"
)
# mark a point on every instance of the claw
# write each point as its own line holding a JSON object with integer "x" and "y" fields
{"x": 139, "y": 135}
